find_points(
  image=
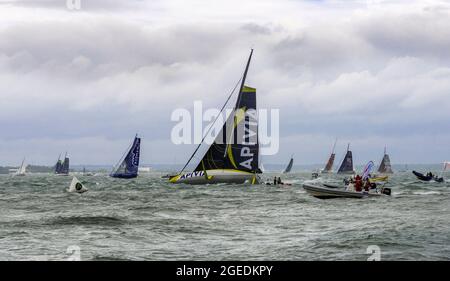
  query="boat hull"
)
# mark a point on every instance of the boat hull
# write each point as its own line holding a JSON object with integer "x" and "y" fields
{"x": 346, "y": 173}
{"x": 214, "y": 177}
{"x": 421, "y": 176}
{"x": 123, "y": 176}
{"x": 336, "y": 192}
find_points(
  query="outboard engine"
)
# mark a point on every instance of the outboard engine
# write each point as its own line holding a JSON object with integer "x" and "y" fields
{"x": 386, "y": 191}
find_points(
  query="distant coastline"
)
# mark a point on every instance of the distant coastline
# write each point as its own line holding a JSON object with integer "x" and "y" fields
{"x": 176, "y": 167}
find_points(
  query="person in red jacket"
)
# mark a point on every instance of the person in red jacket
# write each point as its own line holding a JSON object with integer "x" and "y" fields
{"x": 358, "y": 183}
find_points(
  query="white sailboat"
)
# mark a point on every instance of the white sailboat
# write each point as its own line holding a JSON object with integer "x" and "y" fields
{"x": 77, "y": 186}
{"x": 21, "y": 171}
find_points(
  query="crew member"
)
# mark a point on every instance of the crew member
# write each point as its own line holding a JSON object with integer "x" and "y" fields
{"x": 358, "y": 183}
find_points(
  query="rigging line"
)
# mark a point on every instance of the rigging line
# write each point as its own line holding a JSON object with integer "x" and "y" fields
{"x": 209, "y": 129}
{"x": 239, "y": 97}
{"x": 123, "y": 156}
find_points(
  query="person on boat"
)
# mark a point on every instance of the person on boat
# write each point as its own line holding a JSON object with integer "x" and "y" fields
{"x": 430, "y": 174}
{"x": 358, "y": 183}
{"x": 346, "y": 181}
{"x": 367, "y": 185}
{"x": 274, "y": 180}
{"x": 279, "y": 181}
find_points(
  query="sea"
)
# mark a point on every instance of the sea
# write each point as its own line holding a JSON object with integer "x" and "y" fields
{"x": 149, "y": 219}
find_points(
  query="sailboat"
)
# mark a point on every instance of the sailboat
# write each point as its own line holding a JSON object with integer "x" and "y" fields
{"x": 85, "y": 173}
{"x": 21, "y": 171}
{"x": 385, "y": 166}
{"x": 347, "y": 164}
{"x": 289, "y": 166}
{"x": 228, "y": 160}
{"x": 62, "y": 167}
{"x": 128, "y": 166}
{"x": 329, "y": 166}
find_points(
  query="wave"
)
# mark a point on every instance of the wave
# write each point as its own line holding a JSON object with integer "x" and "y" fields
{"x": 87, "y": 220}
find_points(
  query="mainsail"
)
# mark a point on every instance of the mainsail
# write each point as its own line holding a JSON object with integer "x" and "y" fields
{"x": 58, "y": 165}
{"x": 347, "y": 164}
{"x": 236, "y": 146}
{"x": 385, "y": 166}
{"x": 129, "y": 164}
{"x": 289, "y": 166}
{"x": 329, "y": 166}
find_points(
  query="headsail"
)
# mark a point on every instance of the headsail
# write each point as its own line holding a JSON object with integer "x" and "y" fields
{"x": 289, "y": 166}
{"x": 329, "y": 166}
{"x": 129, "y": 164}
{"x": 385, "y": 166}
{"x": 347, "y": 164}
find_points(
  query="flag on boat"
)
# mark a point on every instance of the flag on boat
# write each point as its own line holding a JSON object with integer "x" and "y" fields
{"x": 367, "y": 170}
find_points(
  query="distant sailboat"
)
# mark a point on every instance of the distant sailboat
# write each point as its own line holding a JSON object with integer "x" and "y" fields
{"x": 289, "y": 166}
{"x": 85, "y": 173}
{"x": 21, "y": 171}
{"x": 77, "y": 186}
{"x": 347, "y": 164}
{"x": 62, "y": 167}
{"x": 128, "y": 165}
{"x": 227, "y": 159}
{"x": 385, "y": 166}
{"x": 329, "y": 166}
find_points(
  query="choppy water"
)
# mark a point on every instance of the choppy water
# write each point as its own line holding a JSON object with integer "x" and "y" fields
{"x": 148, "y": 219}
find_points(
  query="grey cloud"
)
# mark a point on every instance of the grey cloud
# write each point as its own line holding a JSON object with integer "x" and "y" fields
{"x": 86, "y": 5}
{"x": 101, "y": 79}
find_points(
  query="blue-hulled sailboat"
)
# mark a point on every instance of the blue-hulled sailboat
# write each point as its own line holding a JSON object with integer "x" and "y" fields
{"x": 62, "y": 167}
{"x": 128, "y": 166}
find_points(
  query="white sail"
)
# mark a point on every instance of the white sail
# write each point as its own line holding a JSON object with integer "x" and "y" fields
{"x": 22, "y": 169}
{"x": 76, "y": 186}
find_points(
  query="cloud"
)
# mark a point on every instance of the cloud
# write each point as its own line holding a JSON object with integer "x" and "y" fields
{"x": 371, "y": 76}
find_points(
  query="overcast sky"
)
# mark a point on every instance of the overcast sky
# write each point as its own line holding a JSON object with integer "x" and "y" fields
{"x": 372, "y": 73}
